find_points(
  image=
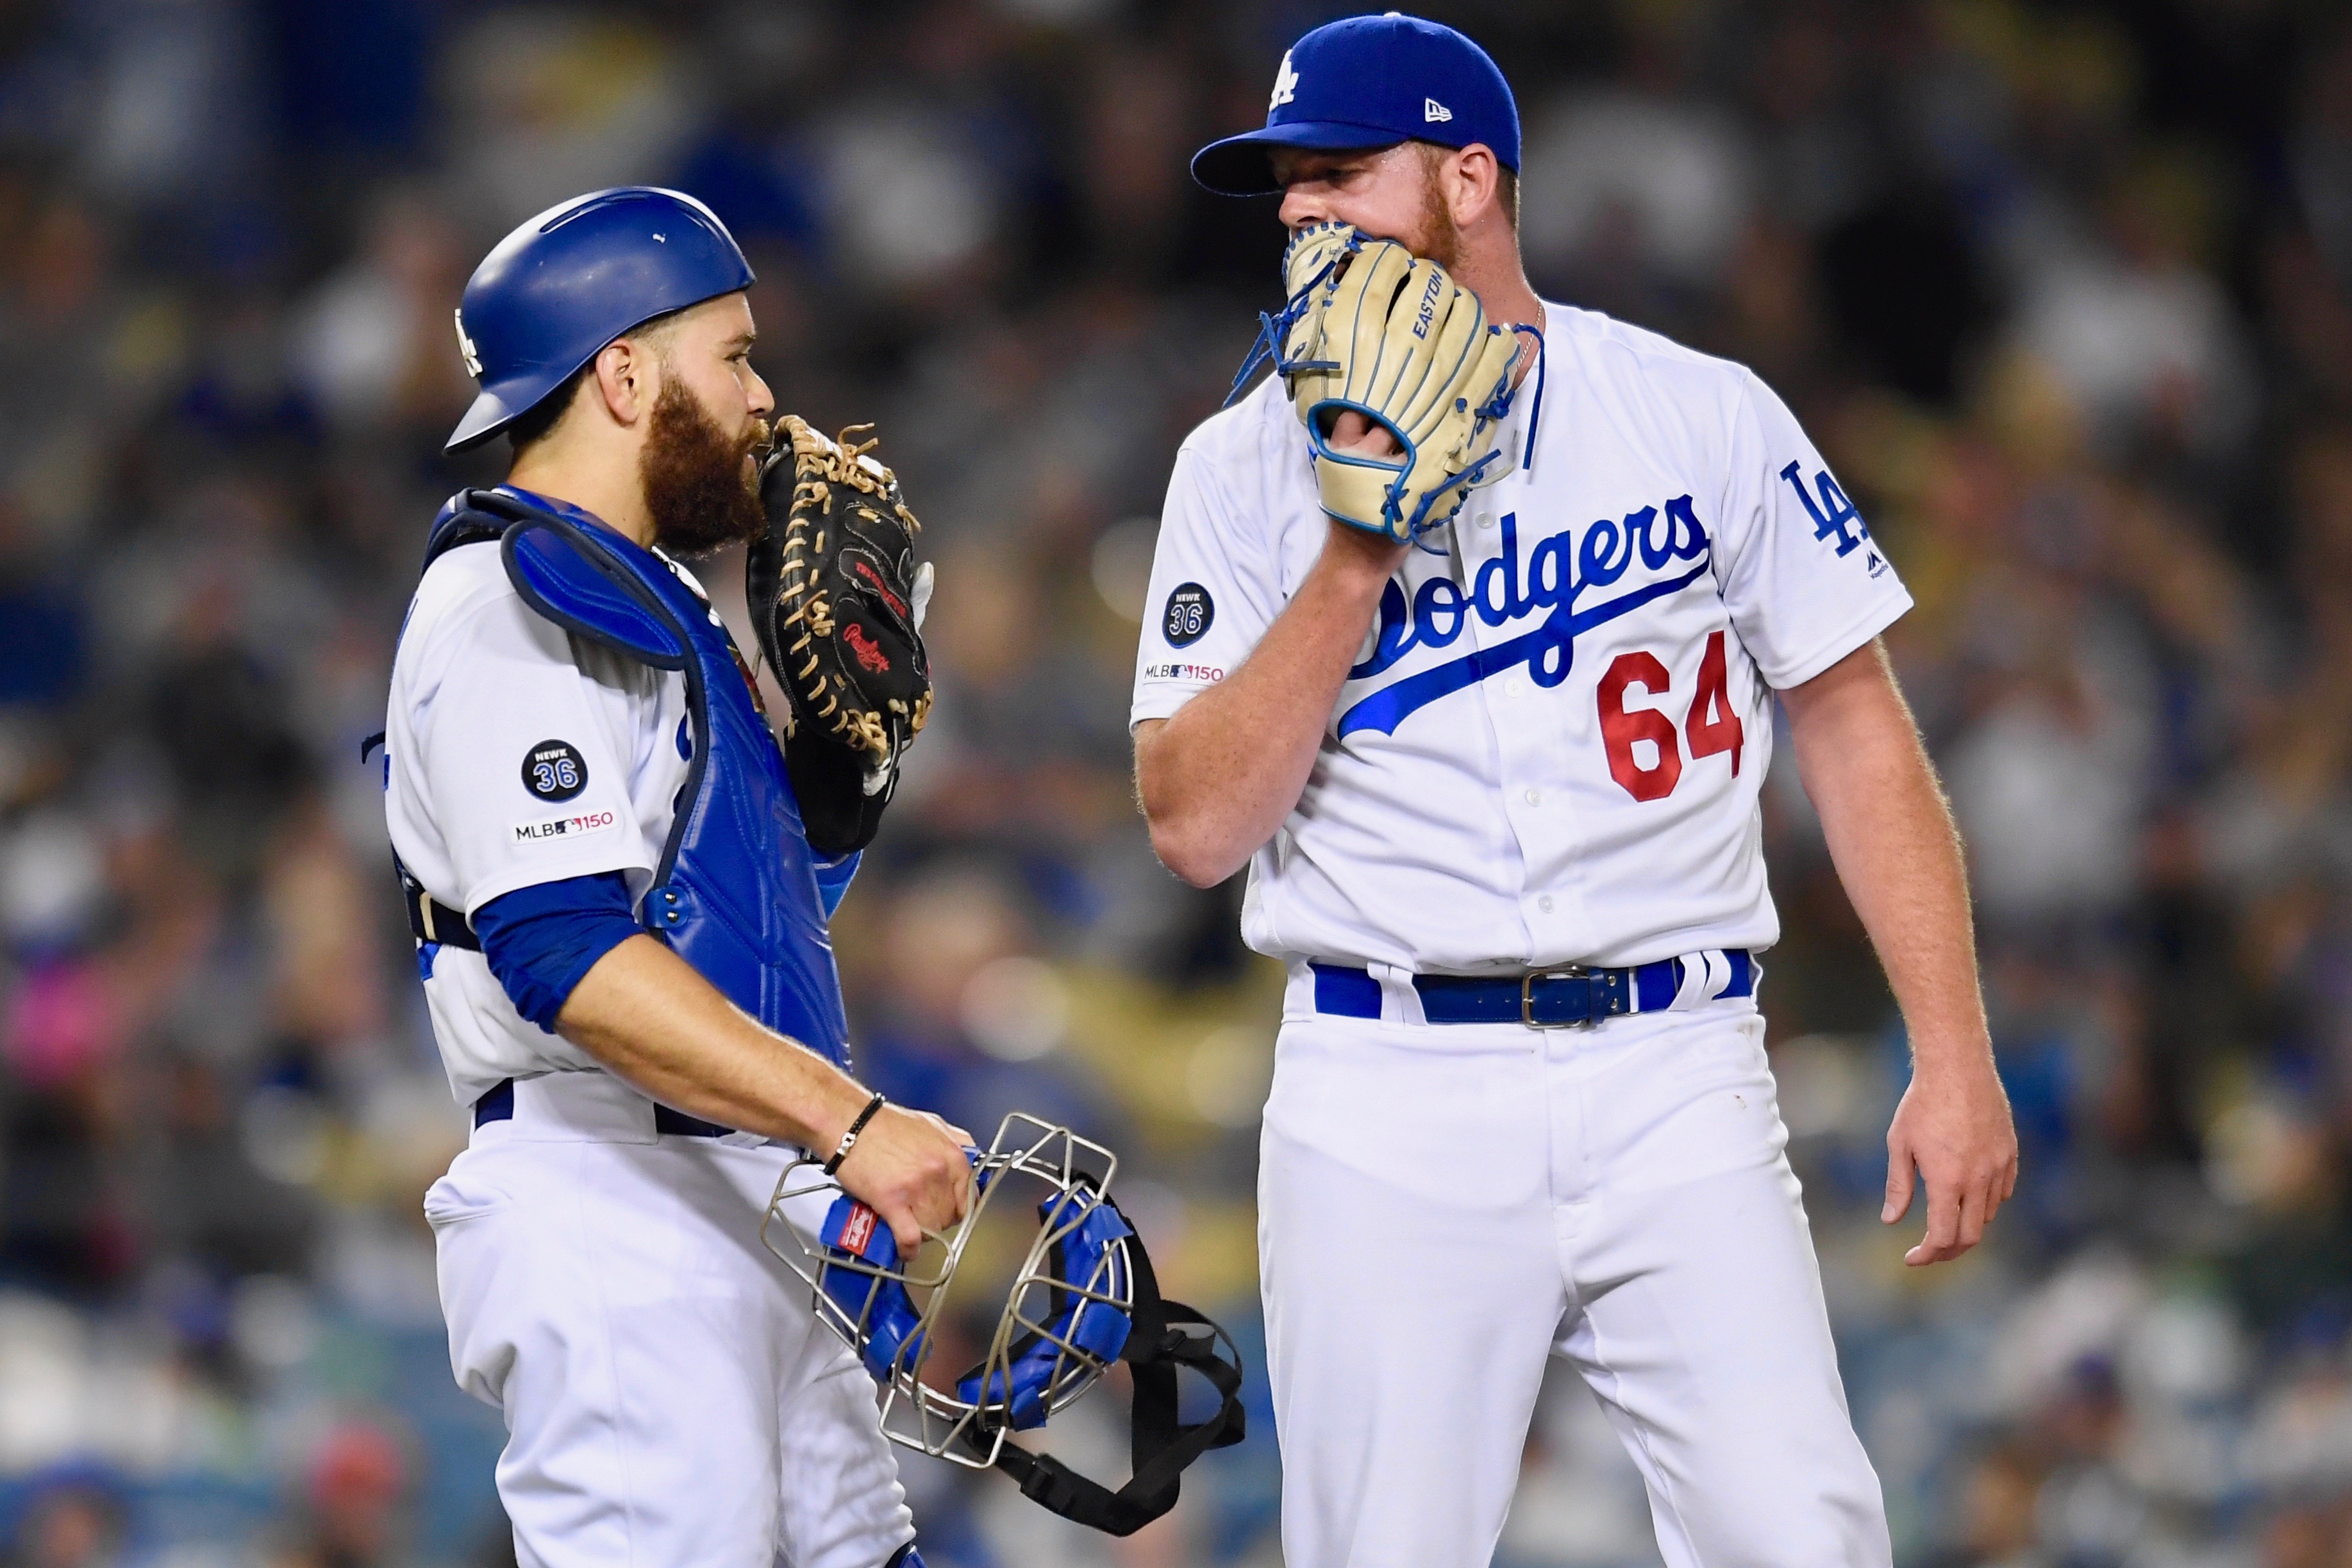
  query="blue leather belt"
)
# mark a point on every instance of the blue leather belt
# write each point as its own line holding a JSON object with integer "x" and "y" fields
{"x": 497, "y": 1105}
{"x": 1541, "y": 998}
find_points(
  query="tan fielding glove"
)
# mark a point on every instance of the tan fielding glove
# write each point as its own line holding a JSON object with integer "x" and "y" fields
{"x": 1370, "y": 328}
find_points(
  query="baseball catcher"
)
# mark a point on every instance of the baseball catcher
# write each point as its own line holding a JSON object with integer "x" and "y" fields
{"x": 620, "y": 881}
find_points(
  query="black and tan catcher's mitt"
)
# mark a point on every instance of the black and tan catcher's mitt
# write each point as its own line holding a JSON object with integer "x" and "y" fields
{"x": 837, "y": 597}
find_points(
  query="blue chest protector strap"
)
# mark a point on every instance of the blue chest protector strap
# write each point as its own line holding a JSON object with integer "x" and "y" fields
{"x": 736, "y": 892}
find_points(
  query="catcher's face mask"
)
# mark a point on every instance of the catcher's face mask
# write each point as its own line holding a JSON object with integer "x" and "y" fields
{"x": 1082, "y": 1297}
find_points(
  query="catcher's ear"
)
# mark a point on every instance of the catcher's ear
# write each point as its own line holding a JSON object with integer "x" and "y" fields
{"x": 628, "y": 380}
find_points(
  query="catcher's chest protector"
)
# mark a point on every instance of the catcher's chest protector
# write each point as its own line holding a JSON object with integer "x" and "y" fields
{"x": 735, "y": 894}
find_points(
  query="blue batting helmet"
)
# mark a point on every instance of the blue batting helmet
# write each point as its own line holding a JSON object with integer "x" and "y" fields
{"x": 584, "y": 272}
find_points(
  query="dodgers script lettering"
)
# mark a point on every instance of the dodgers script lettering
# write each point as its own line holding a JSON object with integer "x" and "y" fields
{"x": 1557, "y": 577}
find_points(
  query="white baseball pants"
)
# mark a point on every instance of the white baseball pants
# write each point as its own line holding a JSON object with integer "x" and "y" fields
{"x": 1441, "y": 1207}
{"x": 669, "y": 1396}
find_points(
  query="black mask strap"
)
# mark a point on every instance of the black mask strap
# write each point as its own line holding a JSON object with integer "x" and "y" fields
{"x": 1165, "y": 1335}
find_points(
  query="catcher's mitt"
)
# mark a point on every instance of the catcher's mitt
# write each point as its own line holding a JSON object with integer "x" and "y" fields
{"x": 1370, "y": 328}
{"x": 836, "y": 598}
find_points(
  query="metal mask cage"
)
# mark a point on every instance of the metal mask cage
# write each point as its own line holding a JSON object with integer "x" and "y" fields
{"x": 970, "y": 1427}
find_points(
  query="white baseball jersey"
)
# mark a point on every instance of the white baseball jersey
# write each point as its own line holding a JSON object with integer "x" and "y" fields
{"x": 1551, "y": 746}
{"x": 517, "y": 753}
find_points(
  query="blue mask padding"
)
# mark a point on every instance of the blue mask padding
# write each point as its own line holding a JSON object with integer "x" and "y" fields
{"x": 891, "y": 1340}
{"x": 1098, "y": 1329}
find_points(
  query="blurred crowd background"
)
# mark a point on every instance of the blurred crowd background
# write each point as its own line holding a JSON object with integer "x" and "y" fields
{"x": 2065, "y": 290}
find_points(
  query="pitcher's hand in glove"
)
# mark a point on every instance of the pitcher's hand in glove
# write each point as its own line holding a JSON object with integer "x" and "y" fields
{"x": 1371, "y": 331}
{"x": 837, "y": 598}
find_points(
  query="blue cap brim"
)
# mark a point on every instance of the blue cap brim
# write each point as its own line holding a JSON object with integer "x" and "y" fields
{"x": 1244, "y": 166}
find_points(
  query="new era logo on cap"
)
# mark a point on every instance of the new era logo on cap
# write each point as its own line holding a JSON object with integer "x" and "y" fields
{"x": 1432, "y": 111}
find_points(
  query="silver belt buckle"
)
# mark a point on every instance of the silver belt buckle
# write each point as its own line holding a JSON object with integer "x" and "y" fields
{"x": 1527, "y": 995}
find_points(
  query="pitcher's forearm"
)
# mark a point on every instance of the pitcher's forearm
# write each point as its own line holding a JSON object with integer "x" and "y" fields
{"x": 1892, "y": 838}
{"x": 1217, "y": 779}
{"x": 646, "y": 1015}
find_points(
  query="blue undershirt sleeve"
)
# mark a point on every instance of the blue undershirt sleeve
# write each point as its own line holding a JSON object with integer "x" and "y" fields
{"x": 541, "y": 940}
{"x": 833, "y": 879}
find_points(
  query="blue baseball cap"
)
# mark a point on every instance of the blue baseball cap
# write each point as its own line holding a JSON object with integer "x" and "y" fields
{"x": 1371, "y": 81}
{"x": 586, "y": 271}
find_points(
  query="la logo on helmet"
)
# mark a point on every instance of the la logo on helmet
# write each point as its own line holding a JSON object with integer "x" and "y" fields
{"x": 1286, "y": 85}
{"x": 466, "y": 347}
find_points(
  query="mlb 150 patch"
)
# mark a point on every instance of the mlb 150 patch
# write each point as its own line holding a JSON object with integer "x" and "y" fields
{"x": 549, "y": 830}
{"x": 1189, "y": 615}
{"x": 554, "y": 770}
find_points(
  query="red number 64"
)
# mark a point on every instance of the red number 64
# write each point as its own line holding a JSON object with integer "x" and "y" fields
{"x": 1711, "y": 723}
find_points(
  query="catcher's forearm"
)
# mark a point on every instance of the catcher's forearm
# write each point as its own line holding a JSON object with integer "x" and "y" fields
{"x": 644, "y": 1012}
{"x": 1891, "y": 839}
{"x": 1217, "y": 780}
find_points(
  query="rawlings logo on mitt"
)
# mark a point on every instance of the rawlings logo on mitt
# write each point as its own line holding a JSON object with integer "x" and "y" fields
{"x": 837, "y": 598}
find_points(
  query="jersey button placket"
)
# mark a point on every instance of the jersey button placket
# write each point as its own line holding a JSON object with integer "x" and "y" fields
{"x": 1506, "y": 717}
{"x": 1525, "y": 729}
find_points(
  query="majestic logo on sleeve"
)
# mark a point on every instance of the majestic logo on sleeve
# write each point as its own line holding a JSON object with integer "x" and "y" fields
{"x": 1562, "y": 582}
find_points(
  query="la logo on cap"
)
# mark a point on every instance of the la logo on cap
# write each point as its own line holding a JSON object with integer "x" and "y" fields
{"x": 1432, "y": 111}
{"x": 1286, "y": 85}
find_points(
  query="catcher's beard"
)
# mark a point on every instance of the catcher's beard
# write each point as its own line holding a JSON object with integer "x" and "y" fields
{"x": 701, "y": 487}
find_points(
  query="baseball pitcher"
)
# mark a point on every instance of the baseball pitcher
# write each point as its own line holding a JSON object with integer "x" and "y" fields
{"x": 1464, "y": 634}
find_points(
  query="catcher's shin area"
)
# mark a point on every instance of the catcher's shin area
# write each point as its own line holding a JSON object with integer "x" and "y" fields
{"x": 1082, "y": 1296}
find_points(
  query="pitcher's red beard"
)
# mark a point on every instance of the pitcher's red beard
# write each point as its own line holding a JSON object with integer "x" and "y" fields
{"x": 1435, "y": 236}
{"x": 701, "y": 488}
{"x": 1440, "y": 239}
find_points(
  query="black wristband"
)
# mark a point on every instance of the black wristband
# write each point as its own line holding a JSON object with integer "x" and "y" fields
{"x": 849, "y": 1139}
